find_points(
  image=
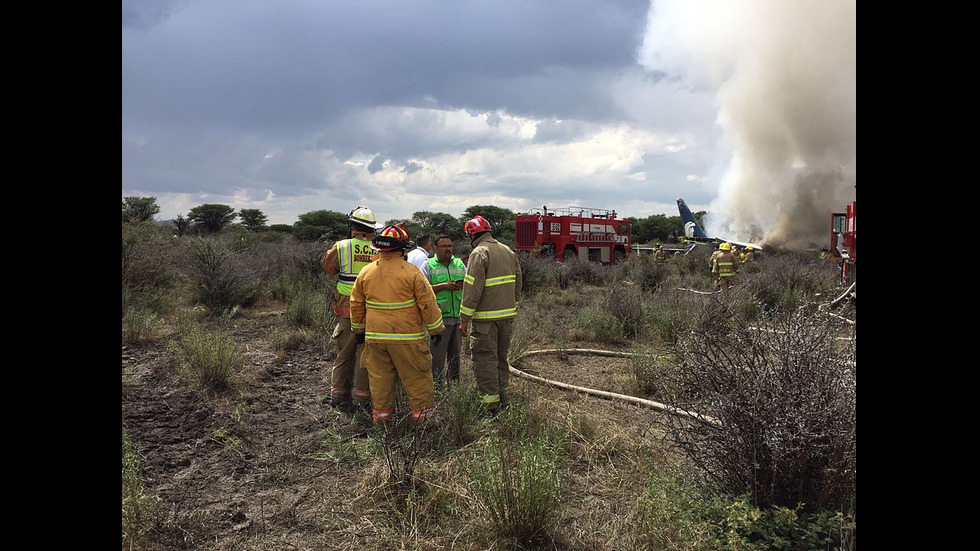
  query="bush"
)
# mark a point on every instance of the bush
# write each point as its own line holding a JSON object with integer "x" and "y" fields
{"x": 210, "y": 358}
{"x": 147, "y": 271}
{"x": 625, "y": 303}
{"x": 139, "y": 324}
{"x": 646, "y": 272}
{"x": 221, "y": 282}
{"x": 536, "y": 273}
{"x": 783, "y": 281}
{"x": 785, "y": 397}
{"x": 518, "y": 489}
{"x": 674, "y": 513}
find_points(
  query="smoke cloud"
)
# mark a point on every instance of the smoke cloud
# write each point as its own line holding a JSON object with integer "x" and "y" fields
{"x": 784, "y": 77}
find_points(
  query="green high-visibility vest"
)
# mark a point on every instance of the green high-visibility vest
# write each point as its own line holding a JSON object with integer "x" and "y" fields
{"x": 448, "y": 301}
{"x": 353, "y": 254}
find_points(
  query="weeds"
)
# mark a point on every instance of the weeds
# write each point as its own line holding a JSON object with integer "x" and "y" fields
{"x": 209, "y": 358}
{"x": 139, "y": 509}
{"x": 139, "y": 324}
{"x": 518, "y": 488}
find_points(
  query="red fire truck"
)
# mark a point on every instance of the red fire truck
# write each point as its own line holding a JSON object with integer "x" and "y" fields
{"x": 843, "y": 241}
{"x": 588, "y": 233}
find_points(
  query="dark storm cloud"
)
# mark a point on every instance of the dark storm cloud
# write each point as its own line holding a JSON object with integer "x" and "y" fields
{"x": 257, "y": 66}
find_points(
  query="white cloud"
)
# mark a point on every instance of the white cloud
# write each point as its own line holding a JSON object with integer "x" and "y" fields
{"x": 438, "y": 106}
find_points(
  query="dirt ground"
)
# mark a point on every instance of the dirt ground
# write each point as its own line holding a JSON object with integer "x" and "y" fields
{"x": 272, "y": 489}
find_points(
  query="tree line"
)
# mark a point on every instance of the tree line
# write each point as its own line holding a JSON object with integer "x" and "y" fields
{"x": 328, "y": 224}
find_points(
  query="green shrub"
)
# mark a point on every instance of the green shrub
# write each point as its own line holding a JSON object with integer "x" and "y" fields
{"x": 209, "y": 358}
{"x": 673, "y": 513}
{"x": 309, "y": 308}
{"x": 625, "y": 303}
{"x": 517, "y": 488}
{"x": 645, "y": 370}
{"x": 536, "y": 273}
{"x": 596, "y": 323}
{"x": 458, "y": 408}
{"x": 222, "y": 282}
{"x": 785, "y": 397}
{"x": 139, "y": 324}
{"x": 148, "y": 274}
{"x": 646, "y": 272}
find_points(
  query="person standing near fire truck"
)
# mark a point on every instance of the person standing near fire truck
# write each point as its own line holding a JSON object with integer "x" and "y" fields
{"x": 491, "y": 293}
{"x": 393, "y": 310}
{"x": 345, "y": 259}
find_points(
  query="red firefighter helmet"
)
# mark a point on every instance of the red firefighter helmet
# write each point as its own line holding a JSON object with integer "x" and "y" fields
{"x": 392, "y": 238}
{"x": 476, "y": 225}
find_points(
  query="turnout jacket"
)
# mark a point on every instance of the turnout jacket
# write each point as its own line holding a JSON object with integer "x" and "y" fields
{"x": 724, "y": 264}
{"x": 345, "y": 259}
{"x": 393, "y": 302}
{"x": 492, "y": 285}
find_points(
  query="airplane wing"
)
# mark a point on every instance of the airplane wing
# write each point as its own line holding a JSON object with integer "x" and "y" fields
{"x": 673, "y": 250}
{"x": 683, "y": 250}
{"x": 694, "y": 233}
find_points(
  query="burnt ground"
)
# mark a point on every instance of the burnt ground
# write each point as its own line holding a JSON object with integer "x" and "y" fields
{"x": 249, "y": 468}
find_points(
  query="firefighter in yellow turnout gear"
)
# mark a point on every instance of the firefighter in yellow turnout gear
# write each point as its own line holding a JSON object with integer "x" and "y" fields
{"x": 345, "y": 259}
{"x": 724, "y": 265}
{"x": 393, "y": 311}
{"x": 491, "y": 292}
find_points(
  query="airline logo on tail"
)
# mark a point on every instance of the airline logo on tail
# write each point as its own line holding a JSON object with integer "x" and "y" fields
{"x": 691, "y": 226}
{"x": 694, "y": 232}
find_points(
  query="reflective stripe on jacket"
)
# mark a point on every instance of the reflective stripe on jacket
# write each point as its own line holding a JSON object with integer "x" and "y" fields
{"x": 724, "y": 264}
{"x": 393, "y": 302}
{"x": 492, "y": 285}
{"x": 449, "y": 301}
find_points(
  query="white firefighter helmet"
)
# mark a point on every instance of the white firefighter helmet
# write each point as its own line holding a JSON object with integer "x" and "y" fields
{"x": 363, "y": 216}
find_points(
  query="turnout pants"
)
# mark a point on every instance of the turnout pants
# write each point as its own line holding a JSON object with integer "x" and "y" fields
{"x": 489, "y": 342}
{"x": 348, "y": 379}
{"x": 411, "y": 362}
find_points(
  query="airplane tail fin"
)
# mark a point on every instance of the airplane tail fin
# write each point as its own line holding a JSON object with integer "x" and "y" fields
{"x": 691, "y": 226}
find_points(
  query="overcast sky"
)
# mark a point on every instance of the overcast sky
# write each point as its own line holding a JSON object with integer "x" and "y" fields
{"x": 746, "y": 109}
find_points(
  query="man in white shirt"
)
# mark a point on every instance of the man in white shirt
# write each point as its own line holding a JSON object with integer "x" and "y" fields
{"x": 420, "y": 254}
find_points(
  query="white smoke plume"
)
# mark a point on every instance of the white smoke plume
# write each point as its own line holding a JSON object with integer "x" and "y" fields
{"x": 784, "y": 75}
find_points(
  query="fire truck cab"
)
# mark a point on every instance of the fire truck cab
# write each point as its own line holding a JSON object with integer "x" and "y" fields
{"x": 564, "y": 233}
{"x": 843, "y": 241}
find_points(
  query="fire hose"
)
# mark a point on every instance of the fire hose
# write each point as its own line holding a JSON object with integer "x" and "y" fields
{"x": 673, "y": 410}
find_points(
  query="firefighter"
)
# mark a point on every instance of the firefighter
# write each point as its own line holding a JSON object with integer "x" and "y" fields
{"x": 445, "y": 272}
{"x": 659, "y": 254}
{"x": 748, "y": 255}
{"x": 491, "y": 293}
{"x": 724, "y": 266}
{"x": 393, "y": 311}
{"x": 346, "y": 258}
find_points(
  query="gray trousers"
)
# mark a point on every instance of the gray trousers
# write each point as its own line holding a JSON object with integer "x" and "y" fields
{"x": 446, "y": 350}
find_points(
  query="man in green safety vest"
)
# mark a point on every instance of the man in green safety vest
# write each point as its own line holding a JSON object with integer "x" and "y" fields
{"x": 445, "y": 273}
